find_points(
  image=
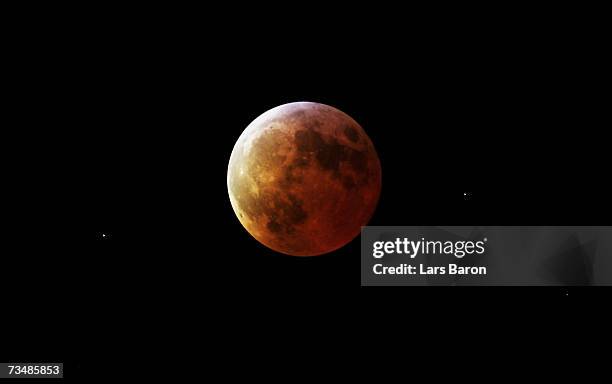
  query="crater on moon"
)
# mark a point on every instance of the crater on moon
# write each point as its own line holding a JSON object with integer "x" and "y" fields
{"x": 303, "y": 178}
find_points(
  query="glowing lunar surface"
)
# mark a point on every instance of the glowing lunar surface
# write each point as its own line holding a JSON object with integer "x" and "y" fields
{"x": 303, "y": 178}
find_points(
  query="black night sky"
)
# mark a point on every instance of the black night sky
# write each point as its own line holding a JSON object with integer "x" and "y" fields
{"x": 119, "y": 221}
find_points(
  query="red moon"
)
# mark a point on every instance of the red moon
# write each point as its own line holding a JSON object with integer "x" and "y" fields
{"x": 303, "y": 178}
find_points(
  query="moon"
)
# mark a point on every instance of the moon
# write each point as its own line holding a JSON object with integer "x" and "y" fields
{"x": 303, "y": 178}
